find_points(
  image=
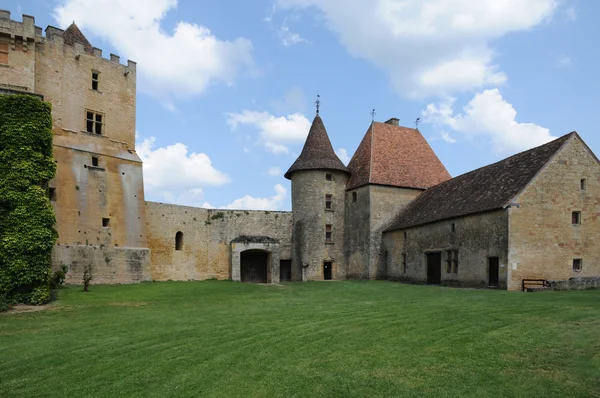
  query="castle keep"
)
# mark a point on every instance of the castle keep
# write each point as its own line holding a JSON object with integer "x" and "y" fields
{"x": 394, "y": 212}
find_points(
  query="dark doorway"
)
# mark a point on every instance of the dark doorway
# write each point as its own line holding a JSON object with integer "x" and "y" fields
{"x": 285, "y": 270}
{"x": 434, "y": 268}
{"x": 254, "y": 266}
{"x": 493, "y": 271}
{"x": 327, "y": 267}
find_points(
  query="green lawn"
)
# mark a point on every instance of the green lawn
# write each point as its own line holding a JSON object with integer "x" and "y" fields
{"x": 303, "y": 339}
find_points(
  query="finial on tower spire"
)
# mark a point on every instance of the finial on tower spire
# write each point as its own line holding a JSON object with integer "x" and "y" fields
{"x": 373, "y": 115}
{"x": 318, "y": 103}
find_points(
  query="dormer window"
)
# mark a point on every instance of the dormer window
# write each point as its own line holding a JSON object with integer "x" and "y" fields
{"x": 95, "y": 79}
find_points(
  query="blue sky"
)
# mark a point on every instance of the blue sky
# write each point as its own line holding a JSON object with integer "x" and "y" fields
{"x": 226, "y": 88}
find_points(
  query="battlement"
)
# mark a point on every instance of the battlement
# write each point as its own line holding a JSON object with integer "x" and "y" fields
{"x": 72, "y": 36}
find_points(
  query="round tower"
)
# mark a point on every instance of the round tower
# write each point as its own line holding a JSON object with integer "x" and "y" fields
{"x": 318, "y": 188}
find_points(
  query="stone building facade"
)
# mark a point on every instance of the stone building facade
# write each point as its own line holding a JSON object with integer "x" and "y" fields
{"x": 393, "y": 212}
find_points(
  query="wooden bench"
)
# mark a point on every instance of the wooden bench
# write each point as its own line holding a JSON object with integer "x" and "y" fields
{"x": 527, "y": 283}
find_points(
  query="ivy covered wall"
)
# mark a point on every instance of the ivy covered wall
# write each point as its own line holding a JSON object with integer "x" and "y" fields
{"x": 27, "y": 219}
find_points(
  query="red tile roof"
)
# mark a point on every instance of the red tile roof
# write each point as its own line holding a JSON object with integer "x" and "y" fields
{"x": 317, "y": 154}
{"x": 73, "y": 35}
{"x": 396, "y": 156}
{"x": 485, "y": 189}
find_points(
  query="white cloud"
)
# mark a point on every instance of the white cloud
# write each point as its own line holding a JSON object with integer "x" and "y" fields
{"x": 275, "y": 133}
{"x": 563, "y": 61}
{"x": 173, "y": 174}
{"x": 275, "y": 172}
{"x": 289, "y": 38}
{"x": 488, "y": 115}
{"x": 429, "y": 47}
{"x": 248, "y": 202}
{"x": 173, "y": 64}
{"x": 445, "y": 136}
{"x": 342, "y": 153}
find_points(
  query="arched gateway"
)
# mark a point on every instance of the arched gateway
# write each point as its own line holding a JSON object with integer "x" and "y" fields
{"x": 255, "y": 259}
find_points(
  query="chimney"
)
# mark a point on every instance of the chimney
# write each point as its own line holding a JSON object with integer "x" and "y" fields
{"x": 393, "y": 121}
{"x": 4, "y": 14}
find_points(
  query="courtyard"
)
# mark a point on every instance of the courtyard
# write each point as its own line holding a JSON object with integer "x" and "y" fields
{"x": 368, "y": 338}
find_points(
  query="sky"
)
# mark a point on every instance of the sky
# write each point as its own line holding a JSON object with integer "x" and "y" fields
{"x": 226, "y": 89}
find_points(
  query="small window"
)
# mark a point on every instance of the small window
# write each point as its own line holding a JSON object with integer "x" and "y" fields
{"x": 106, "y": 222}
{"x": 453, "y": 227}
{"x": 93, "y": 122}
{"x": 329, "y": 177}
{"x": 95, "y": 162}
{"x": 95, "y": 79}
{"x": 52, "y": 194}
{"x": 328, "y": 200}
{"x": 354, "y": 196}
{"x": 405, "y": 235}
{"x": 449, "y": 261}
{"x": 576, "y": 218}
{"x": 3, "y": 53}
{"x": 179, "y": 240}
{"x": 404, "y": 263}
{"x": 577, "y": 264}
{"x": 583, "y": 184}
{"x": 328, "y": 232}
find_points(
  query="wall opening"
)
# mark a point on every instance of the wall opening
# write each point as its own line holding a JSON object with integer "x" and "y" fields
{"x": 582, "y": 184}
{"x": 576, "y": 218}
{"x": 285, "y": 270}
{"x": 95, "y": 79}
{"x": 327, "y": 270}
{"x": 328, "y": 177}
{"x": 434, "y": 268}
{"x": 106, "y": 222}
{"x": 52, "y": 194}
{"x": 493, "y": 271}
{"x": 328, "y": 200}
{"x": 354, "y": 196}
{"x": 95, "y": 161}
{"x": 254, "y": 265}
{"x": 179, "y": 240}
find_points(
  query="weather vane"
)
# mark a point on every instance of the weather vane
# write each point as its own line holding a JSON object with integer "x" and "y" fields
{"x": 373, "y": 114}
{"x": 417, "y": 123}
{"x": 318, "y": 103}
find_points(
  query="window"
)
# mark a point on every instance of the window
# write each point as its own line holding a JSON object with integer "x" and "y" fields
{"x": 455, "y": 260}
{"x": 404, "y": 263}
{"x": 329, "y": 177}
{"x": 93, "y": 122}
{"x": 328, "y": 199}
{"x": 179, "y": 240}
{"x": 448, "y": 261}
{"x": 95, "y": 78}
{"x": 3, "y": 53}
{"x": 354, "y": 196}
{"x": 577, "y": 264}
{"x": 582, "y": 184}
{"x": 52, "y": 194}
{"x": 95, "y": 162}
{"x": 106, "y": 222}
{"x": 405, "y": 235}
{"x": 576, "y": 218}
{"x": 328, "y": 231}
{"x": 453, "y": 227}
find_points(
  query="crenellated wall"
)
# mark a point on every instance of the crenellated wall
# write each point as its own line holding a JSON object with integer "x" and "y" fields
{"x": 207, "y": 238}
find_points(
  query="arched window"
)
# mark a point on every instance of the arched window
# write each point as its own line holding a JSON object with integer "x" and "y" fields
{"x": 179, "y": 240}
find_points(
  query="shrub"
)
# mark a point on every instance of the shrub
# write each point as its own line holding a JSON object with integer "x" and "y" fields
{"x": 27, "y": 218}
{"x": 3, "y": 303}
{"x": 87, "y": 278}
{"x": 58, "y": 277}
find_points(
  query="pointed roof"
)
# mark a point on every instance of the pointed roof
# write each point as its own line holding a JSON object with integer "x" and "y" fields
{"x": 73, "y": 35}
{"x": 397, "y": 156}
{"x": 488, "y": 188}
{"x": 317, "y": 154}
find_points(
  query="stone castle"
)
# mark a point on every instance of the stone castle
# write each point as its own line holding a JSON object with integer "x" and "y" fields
{"x": 393, "y": 213}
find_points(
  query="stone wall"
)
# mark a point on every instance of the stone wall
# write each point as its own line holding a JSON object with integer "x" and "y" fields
{"x": 310, "y": 216}
{"x": 19, "y": 39}
{"x": 207, "y": 237}
{"x": 357, "y": 233}
{"x": 543, "y": 240}
{"x": 476, "y": 238}
{"x": 109, "y": 265}
{"x": 581, "y": 283}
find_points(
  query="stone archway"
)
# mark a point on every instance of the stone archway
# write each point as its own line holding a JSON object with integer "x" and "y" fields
{"x": 255, "y": 259}
{"x": 254, "y": 266}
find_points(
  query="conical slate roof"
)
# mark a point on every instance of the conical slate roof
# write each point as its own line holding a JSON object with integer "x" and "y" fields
{"x": 73, "y": 35}
{"x": 317, "y": 154}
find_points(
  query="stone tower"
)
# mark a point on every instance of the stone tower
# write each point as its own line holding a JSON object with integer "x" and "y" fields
{"x": 318, "y": 186}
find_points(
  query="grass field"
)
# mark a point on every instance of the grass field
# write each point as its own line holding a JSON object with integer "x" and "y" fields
{"x": 303, "y": 339}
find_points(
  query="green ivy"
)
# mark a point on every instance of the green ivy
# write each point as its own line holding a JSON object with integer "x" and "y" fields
{"x": 27, "y": 219}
